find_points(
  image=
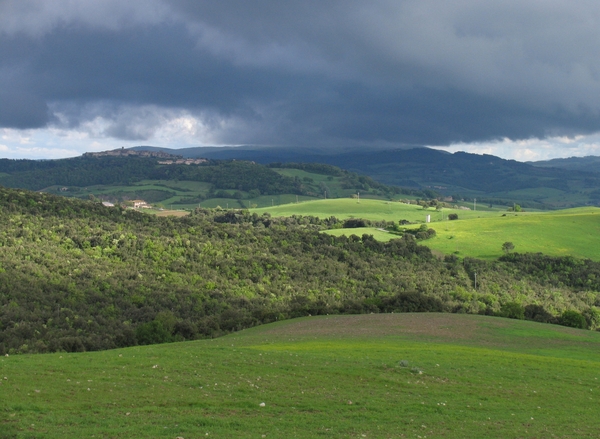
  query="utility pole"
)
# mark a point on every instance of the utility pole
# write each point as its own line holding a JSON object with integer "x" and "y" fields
{"x": 475, "y": 204}
{"x": 475, "y": 280}
{"x": 358, "y": 196}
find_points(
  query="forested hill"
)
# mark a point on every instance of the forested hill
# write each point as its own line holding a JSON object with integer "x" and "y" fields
{"x": 587, "y": 164}
{"x": 236, "y": 176}
{"x": 75, "y": 275}
{"x": 570, "y": 183}
{"x": 417, "y": 166}
{"x": 87, "y": 171}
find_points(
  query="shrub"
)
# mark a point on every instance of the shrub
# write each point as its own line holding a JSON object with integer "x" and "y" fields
{"x": 512, "y": 310}
{"x": 573, "y": 319}
{"x": 354, "y": 223}
{"x": 538, "y": 313}
{"x": 453, "y": 216}
{"x": 152, "y": 332}
{"x": 592, "y": 317}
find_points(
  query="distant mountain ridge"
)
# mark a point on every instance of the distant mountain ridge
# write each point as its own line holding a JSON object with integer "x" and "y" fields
{"x": 588, "y": 163}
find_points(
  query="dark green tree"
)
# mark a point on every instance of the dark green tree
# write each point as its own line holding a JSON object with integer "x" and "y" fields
{"x": 573, "y": 319}
{"x": 507, "y": 247}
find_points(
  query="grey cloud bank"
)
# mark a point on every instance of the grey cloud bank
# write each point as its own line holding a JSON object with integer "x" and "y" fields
{"x": 332, "y": 73}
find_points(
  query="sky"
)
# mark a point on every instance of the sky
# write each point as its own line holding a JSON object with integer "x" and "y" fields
{"x": 520, "y": 80}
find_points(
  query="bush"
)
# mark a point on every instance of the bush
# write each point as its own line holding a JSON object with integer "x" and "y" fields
{"x": 538, "y": 313}
{"x": 592, "y": 317}
{"x": 152, "y": 332}
{"x": 512, "y": 310}
{"x": 573, "y": 319}
{"x": 354, "y": 223}
{"x": 453, "y": 216}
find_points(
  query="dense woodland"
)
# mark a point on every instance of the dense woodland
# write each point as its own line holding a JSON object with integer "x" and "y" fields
{"x": 236, "y": 176}
{"x": 75, "y": 276}
{"x": 87, "y": 171}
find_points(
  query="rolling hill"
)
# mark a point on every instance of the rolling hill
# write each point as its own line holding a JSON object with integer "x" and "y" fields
{"x": 393, "y": 375}
{"x": 78, "y": 276}
{"x": 168, "y": 181}
{"x": 486, "y": 177}
{"x": 477, "y": 234}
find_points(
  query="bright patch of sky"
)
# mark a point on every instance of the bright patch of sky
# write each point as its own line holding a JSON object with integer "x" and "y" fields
{"x": 532, "y": 149}
{"x": 185, "y": 131}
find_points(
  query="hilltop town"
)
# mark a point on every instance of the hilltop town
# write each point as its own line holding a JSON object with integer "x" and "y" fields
{"x": 122, "y": 152}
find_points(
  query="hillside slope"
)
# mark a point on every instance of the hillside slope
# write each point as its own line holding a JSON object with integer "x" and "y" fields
{"x": 373, "y": 376}
{"x": 461, "y": 174}
{"x": 76, "y": 276}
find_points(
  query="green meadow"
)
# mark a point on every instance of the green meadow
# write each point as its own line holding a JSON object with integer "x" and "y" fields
{"x": 378, "y": 234}
{"x": 361, "y": 376}
{"x": 185, "y": 194}
{"x": 480, "y": 234}
{"x": 375, "y": 210}
{"x": 570, "y": 232}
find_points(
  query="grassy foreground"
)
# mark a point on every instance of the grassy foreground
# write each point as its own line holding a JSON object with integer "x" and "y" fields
{"x": 378, "y": 376}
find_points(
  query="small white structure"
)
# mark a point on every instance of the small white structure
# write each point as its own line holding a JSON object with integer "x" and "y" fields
{"x": 138, "y": 203}
{"x": 428, "y": 219}
{"x": 108, "y": 204}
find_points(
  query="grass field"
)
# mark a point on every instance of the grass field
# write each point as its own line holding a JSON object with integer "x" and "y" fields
{"x": 378, "y": 234}
{"x": 373, "y": 376}
{"x": 182, "y": 192}
{"x": 375, "y": 210}
{"x": 574, "y": 232}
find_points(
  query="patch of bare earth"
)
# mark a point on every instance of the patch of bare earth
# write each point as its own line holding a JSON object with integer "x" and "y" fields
{"x": 173, "y": 213}
{"x": 448, "y": 326}
{"x": 462, "y": 329}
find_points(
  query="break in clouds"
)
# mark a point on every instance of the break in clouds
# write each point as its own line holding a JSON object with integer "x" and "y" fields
{"x": 516, "y": 79}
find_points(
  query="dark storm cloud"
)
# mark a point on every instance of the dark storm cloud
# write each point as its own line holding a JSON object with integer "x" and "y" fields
{"x": 293, "y": 72}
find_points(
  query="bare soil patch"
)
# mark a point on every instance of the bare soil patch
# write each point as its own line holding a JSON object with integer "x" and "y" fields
{"x": 177, "y": 213}
{"x": 446, "y": 325}
{"x": 461, "y": 329}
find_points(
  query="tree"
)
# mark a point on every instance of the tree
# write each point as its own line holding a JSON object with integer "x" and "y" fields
{"x": 573, "y": 319}
{"x": 513, "y": 310}
{"x": 453, "y": 216}
{"x": 507, "y": 247}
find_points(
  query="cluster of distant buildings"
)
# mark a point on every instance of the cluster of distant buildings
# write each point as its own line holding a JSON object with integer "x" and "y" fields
{"x": 170, "y": 159}
{"x": 134, "y": 204}
{"x": 182, "y": 162}
{"x": 122, "y": 152}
